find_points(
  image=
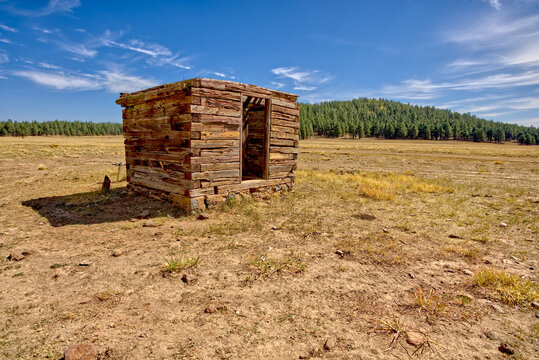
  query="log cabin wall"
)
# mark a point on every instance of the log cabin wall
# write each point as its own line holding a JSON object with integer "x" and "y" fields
{"x": 156, "y": 145}
{"x": 183, "y": 139}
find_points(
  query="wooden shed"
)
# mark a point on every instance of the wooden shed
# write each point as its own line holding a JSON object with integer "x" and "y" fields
{"x": 197, "y": 141}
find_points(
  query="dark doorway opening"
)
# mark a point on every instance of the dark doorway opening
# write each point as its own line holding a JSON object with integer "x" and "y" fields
{"x": 255, "y": 138}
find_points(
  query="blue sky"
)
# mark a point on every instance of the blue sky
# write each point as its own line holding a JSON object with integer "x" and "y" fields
{"x": 69, "y": 59}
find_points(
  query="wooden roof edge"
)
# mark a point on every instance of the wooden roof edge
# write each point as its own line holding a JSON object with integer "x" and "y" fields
{"x": 124, "y": 97}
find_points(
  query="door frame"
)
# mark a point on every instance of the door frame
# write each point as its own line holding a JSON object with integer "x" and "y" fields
{"x": 267, "y": 134}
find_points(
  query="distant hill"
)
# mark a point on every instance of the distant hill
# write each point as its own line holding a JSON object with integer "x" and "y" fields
{"x": 69, "y": 128}
{"x": 394, "y": 120}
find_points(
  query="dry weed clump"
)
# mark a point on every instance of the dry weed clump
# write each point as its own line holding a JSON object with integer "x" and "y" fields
{"x": 394, "y": 326}
{"x": 512, "y": 289}
{"x": 429, "y": 302}
{"x": 470, "y": 253}
{"x": 177, "y": 264}
{"x": 372, "y": 185}
{"x": 264, "y": 267}
{"x": 382, "y": 250}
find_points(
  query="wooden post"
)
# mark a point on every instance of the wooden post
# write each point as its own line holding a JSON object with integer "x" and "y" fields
{"x": 241, "y": 138}
{"x": 267, "y": 129}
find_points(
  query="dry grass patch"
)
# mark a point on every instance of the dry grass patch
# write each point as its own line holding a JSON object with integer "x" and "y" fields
{"x": 393, "y": 326}
{"x": 512, "y": 289}
{"x": 469, "y": 253}
{"x": 429, "y": 302}
{"x": 177, "y": 264}
{"x": 383, "y": 250}
{"x": 264, "y": 267}
{"x": 372, "y": 185}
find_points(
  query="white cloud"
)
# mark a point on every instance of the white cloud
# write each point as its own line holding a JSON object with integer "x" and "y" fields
{"x": 4, "y": 58}
{"x": 277, "y": 84}
{"x": 6, "y": 41}
{"x": 302, "y": 79}
{"x": 293, "y": 73}
{"x": 530, "y": 122}
{"x": 61, "y": 6}
{"x": 159, "y": 55}
{"x": 153, "y": 50}
{"x": 412, "y": 89}
{"x": 113, "y": 81}
{"x": 305, "y": 88}
{"x": 44, "y": 31}
{"x": 48, "y": 66}
{"x": 54, "y": 6}
{"x": 7, "y": 28}
{"x": 496, "y": 4}
{"x": 61, "y": 80}
{"x": 175, "y": 60}
{"x": 78, "y": 49}
{"x": 116, "y": 81}
{"x": 3, "y": 77}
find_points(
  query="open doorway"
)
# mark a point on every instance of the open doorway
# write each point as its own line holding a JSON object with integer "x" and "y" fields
{"x": 255, "y": 138}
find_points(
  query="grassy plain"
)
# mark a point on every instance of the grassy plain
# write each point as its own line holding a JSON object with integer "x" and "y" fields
{"x": 385, "y": 250}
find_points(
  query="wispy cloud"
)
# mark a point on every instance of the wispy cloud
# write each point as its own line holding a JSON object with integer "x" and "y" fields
{"x": 117, "y": 81}
{"x": 48, "y": 66}
{"x": 61, "y": 80}
{"x": 4, "y": 58}
{"x": 302, "y": 79}
{"x": 5, "y": 41}
{"x": 496, "y": 4}
{"x": 111, "y": 80}
{"x": 277, "y": 84}
{"x": 304, "y": 88}
{"x": 501, "y": 64}
{"x": 159, "y": 55}
{"x": 53, "y": 6}
{"x": 7, "y": 28}
{"x": 78, "y": 49}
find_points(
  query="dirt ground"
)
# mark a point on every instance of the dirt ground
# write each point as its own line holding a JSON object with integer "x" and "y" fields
{"x": 385, "y": 250}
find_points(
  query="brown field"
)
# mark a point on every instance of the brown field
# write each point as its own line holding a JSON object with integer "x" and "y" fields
{"x": 385, "y": 250}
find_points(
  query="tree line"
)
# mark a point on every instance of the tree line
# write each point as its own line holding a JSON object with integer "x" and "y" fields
{"x": 56, "y": 127}
{"x": 388, "y": 119}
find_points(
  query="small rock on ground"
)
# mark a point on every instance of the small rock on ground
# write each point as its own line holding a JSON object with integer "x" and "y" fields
{"x": 144, "y": 214}
{"x": 506, "y": 349}
{"x": 491, "y": 335}
{"x": 329, "y": 344}
{"x": 117, "y": 253}
{"x": 16, "y": 256}
{"x": 467, "y": 272}
{"x": 82, "y": 351}
{"x": 535, "y": 304}
{"x": 497, "y": 308}
{"x": 150, "y": 224}
{"x": 85, "y": 263}
{"x": 414, "y": 338}
{"x": 203, "y": 216}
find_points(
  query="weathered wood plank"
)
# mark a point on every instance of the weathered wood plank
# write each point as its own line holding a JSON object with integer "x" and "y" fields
{"x": 267, "y": 129}
{"x": 283, "y": 135}
{"x": 212, "y": 175}
{"x": 211, "y": 144}
{"x": 211, "y": 110}
{"x": 219, "y": 135}
{"x": 218, "y": 166}
{"x": 284, "y": 150}
{"x": 212, "y": 159}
